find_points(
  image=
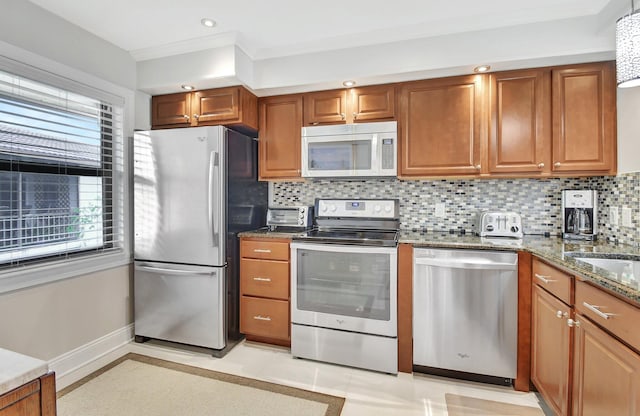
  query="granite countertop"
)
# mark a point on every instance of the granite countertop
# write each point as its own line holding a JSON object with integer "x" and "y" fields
{"x": 552, "y": 249}
{"x": 18, "y": 369}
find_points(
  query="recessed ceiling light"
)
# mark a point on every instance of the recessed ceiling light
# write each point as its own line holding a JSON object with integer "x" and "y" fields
{"x": 188, "y": 87}
{"x": 349, "y": 83}
{"x": 208, "y": 22}
{"x": 482, "y": 68}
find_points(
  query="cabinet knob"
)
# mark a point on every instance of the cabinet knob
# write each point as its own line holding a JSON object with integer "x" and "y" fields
{"x": 557, "y": 164}
{"x": 561, "y": 314}
{"x": 478, "y": 167}
{"x": 196, "y": 116}
{"x": 315, "y": 123}
{"x": 343, "y": 115}
{"x": 540, "y": 165}
{"x": 355, "y": 116}
{"x": 186, "y": 116}
{"x": 571, "y": 323}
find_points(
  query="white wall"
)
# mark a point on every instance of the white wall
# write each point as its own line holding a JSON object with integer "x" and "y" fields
{"x": 628, "y": 130}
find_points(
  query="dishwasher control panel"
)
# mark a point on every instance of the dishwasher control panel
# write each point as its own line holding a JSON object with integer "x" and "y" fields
{"x": 498, "y": 224}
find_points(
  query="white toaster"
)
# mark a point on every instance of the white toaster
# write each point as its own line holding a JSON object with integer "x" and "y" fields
{"x": 498, "y": 224}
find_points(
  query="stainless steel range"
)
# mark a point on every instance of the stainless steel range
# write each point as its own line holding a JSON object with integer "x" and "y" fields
{"x": 344, "y": 285}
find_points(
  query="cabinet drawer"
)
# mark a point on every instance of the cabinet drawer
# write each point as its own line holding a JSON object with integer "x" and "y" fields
{"x": 265, "y": 278}
{"x": 264, "y": 317}
{"x": 264, "y": 249}
{"x": 611, "y": 313}
{"x": 553, "y": 280}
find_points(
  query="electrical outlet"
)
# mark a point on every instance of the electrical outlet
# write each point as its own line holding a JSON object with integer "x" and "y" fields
{"x": 439, "y": 210}
{"x": 626, "y": 217}
{"x": 614, "y": 215}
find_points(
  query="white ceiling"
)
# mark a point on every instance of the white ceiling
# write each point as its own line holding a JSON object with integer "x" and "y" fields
{"x": 276, "y": 28}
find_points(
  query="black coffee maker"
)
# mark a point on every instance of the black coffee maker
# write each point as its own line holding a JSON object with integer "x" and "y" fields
{"x": 579, "y": 214}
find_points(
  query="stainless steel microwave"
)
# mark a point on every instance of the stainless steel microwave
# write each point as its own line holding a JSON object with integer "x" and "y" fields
{"x": 350, "y": 150}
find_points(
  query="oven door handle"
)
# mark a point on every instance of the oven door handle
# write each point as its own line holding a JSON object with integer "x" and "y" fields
{"x": 342, "y": 248}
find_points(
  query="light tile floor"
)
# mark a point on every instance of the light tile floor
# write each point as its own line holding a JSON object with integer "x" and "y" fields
{"x": 366, "y": 392}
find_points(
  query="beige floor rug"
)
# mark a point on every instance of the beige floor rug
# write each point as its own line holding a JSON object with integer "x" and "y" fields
{"x": 470, "y": 406}
{"x": 136, "y": 385}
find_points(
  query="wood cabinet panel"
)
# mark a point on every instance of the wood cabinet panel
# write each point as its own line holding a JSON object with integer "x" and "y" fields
{"x": 611, "y": 313}
{"x": 172, "y": 110}
{"x": 325, "y": 107}
{"x": 584, "y": 103}
{"x": 551, "y": 349}
{"x": 519, "y": 129}
{"x": 280, "y": 136}
{"x": 606, "y": 374}
{"x": 265, "y": 317}
{"x": 36, "y": 398}
{"x": 553, "y": 280}
{"x": 264, "y": 249}
{"x": 217, "y": 105}
{"x": 376, "y": 102}
{"x": 269, "y": 279}
{"x": 441, "y": 126}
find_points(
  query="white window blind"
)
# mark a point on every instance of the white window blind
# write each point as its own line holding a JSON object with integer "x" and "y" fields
{"x": 61, "y": 173}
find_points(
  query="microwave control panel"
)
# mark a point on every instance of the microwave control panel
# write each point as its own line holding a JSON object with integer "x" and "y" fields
{"x": 388, "y": 154}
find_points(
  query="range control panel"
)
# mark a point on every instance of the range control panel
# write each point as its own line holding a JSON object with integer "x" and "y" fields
{"x": 357, "y": 208}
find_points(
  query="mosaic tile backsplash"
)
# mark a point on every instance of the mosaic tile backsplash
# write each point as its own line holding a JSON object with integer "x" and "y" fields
{"x": 538, "y": 200}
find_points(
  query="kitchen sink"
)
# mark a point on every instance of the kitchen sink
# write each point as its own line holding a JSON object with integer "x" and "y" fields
{"x": 615, "y": 266}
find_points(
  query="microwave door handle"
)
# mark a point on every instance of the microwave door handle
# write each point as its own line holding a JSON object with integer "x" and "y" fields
{"x": 374, "y": 154}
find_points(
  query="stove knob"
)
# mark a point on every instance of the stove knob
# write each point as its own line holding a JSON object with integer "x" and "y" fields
{"x": 515, "y": 228}
{"x": 332, "y": 208}
{"x": 323, "y": 208}
{"x": 387, "y": 208}
{"x": 377, "y": 208}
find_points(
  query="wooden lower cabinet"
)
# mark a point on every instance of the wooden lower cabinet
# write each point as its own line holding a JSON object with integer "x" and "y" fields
{"x": 36, "y": 398}
{"x": 606, "y": 374}
{"x": 551, "y": 349}
{"x": 265, "y": 290}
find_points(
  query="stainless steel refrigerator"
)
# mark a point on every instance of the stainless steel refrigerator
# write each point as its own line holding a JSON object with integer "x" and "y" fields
{"x": 195, "y": 189}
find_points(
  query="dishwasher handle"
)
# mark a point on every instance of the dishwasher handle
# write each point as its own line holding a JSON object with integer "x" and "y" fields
{"x": 464, "y": 264}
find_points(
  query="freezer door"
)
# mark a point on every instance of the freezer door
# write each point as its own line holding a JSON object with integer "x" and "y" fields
{"x": 179, "y": 195}
{"x": 183, "y": 304}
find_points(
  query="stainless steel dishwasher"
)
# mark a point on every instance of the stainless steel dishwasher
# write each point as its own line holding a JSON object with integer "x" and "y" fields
{"x": 465, "y": 313}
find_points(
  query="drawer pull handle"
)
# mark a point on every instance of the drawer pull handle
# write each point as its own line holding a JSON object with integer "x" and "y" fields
{"x": 262, "y": 318}
{"x": 262, "y": 279}
{"x": 545, "y": 279}
{"x": 596, "y": 309}
{"x": 261, "y": 250}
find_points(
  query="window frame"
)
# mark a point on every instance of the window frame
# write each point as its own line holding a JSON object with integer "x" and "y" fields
{"x": 48, "y": 72}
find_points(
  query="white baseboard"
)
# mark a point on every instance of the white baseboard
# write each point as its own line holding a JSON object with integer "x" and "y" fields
{"x": 84, "y": 360}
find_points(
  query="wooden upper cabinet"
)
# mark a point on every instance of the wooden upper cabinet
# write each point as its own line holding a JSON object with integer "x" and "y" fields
{"x": 584, "y": 118}
{"x": 280, "y": 136}
{"x": 520, "y": 122}
{"x": 376, "y": 102}
{"x": 364, "y": 104}
{"x": 232, "y": 106}
{"x": 441, "y": 126}
{"x": 325, "y": 107}
{"x": 171, "y": 110}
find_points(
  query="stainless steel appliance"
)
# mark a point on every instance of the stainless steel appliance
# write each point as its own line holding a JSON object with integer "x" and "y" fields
{"x": 344, "y": 285}
{"x": 580, "y": 214}
{"x": 350, "y": 150}
{"x": 465, "y": 313}
{"x": 498, "y": 224}
{"x": 290, "y": 218}
{"x": 194, "y": 190}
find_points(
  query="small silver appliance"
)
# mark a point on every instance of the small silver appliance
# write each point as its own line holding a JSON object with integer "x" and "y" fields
{"x": 293, "y": 217}
{"x": 579, "y": 214}
{"x": 498, "y": 224}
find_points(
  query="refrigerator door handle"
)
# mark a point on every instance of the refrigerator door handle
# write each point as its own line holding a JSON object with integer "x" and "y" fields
{"x": 175, "y": 271}
{"x": 214, "y": 162}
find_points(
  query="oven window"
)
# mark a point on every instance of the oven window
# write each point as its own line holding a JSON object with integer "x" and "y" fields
{"x": 351, "y": 155}
{"x": 349, "y": 284}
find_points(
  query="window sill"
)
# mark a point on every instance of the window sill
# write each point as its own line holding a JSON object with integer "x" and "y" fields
{"x": 29, "y": 276}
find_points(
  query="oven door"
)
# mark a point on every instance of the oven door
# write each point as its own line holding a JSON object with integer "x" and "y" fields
{"x": 346, "y": 287}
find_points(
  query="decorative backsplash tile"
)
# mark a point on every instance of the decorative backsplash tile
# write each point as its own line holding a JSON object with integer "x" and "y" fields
{"x": 537, "y": 200}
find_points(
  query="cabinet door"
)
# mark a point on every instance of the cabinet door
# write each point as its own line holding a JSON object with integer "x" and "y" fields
{"x": 606, "y": 374}
{"x": 519, "y": 129}
{"x": 373, "y": 103}
{"x": 550, "y": 349}
{"x": 172, "y": 110}
{"x": 442, "y": 127}
{"x": 584, "y": 118}
{"x": 280, "y": 136}
{"x": 23, "y": 401}
{"x": 325, "y": 107}
{"x": 217, "y": 105}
